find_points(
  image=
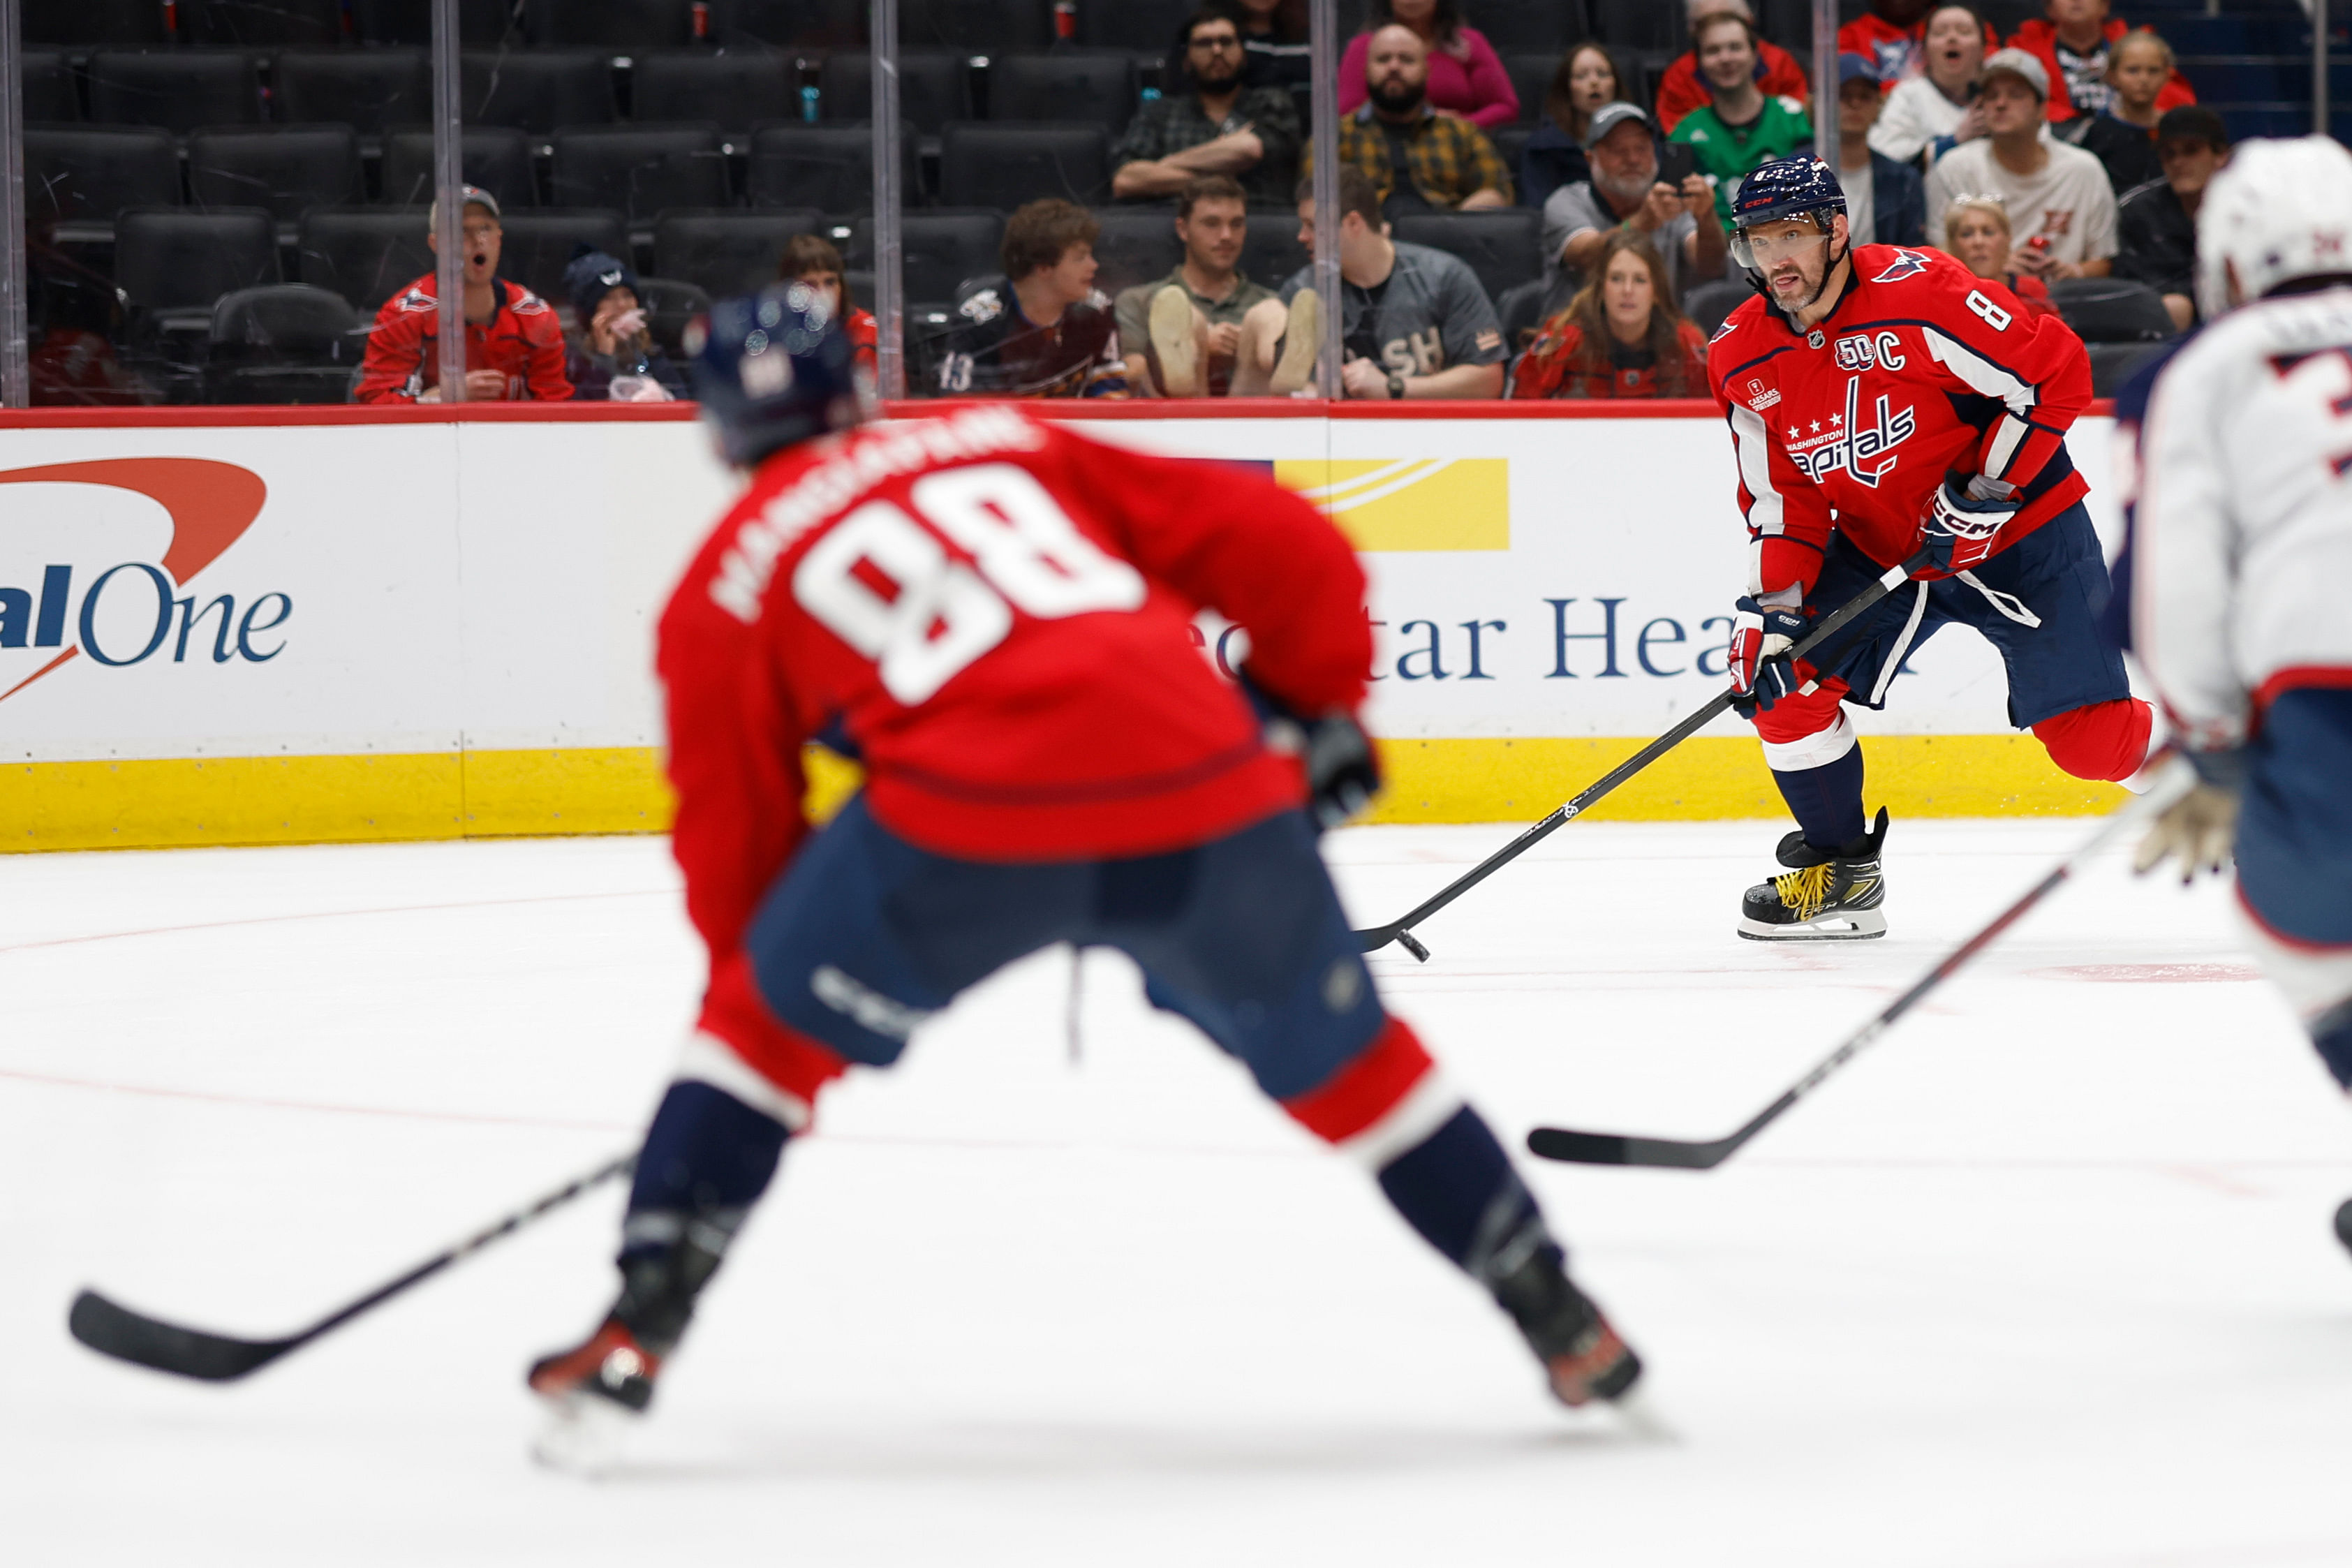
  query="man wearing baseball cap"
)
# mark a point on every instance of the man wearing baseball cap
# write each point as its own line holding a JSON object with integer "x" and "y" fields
{"x": 2062, "y": 210}
{"x": 1625, "y": 190}
{"x": 514, "y": 346}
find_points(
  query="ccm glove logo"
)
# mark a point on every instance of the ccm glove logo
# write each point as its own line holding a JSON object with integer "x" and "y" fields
{"x": 1962, "y": 526}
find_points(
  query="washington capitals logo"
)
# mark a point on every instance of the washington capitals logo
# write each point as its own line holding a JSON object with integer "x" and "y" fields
{"x": 1854, "y": 445}
{"x": 1907, "y": 264}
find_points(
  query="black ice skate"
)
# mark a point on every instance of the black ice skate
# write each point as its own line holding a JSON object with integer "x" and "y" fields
{"x": 597, "y": 1390}
{"x": 1583, "y": 1356}
{"x": 2344, "y": 1224}
{"x": 1824, "y": 896}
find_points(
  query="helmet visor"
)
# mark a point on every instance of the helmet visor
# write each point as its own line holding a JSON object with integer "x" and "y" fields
{"x": 1757, "y": 252}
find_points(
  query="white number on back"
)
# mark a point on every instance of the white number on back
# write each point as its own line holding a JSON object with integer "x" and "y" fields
{"x": 1995, "y": 317}
{"x": 940, "y": 614}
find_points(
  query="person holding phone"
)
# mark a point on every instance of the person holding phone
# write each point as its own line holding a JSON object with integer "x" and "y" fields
{"x": 1631, "y": 187}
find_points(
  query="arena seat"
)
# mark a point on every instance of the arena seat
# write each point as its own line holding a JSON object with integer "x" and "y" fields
{"x": 994, "y": 165}
{"x": 941, "y": 250}
{"x": 371, "y": 91}
{"x": 283, "y": 342}
{"x": 934, "y": 87}
{"x": 113, "y": 24}
{"x": 615, "y": 24}
{"x": 670, "y": 303}
{"x": 172, "y": 264}
{"x": 1146, "y": 26}
{"x": 495, "y": 157}
{"x": 540, "y": 245}
{"x": 2111, "y": 365}
{"x": 285, "y": 169}
{"x": 363, "y": 254}
{"x": 738, "y": 91}
{"x": 1270, "y": 247}
{"x": 78, "y": 178}
{"x": 792, "y": 23}
{"x": 1520, "y": 310}
{"x": 1532, "y": 25}
{"x": 977, "y": 27}
{"x": 263, "y": 24}
{"x": 829, "y": 167}
{"x": 640, "y": 169}
{"x": 176, "y": 92}
{"x": 1138, "y": 244}
{"x": 1707, "y": 304}
{"x": 1096, "y": 87}
{"x": 727, "y": 251}
{"x": 537, "y": 89}
{"x": 479, "y": 22}
{"x": 50, "y": 95}
{"x": 1502, "y": 246}
{"x": 2112, "y": 309}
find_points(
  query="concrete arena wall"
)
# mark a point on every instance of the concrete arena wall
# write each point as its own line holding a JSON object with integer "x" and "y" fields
{"x": 241, "y": 627}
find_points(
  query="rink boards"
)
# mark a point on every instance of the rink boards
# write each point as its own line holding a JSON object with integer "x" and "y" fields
{"x": 230, "y": 626}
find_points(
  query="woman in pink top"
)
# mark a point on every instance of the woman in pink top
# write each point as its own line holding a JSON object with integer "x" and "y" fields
{"x": 1464, "y": 77}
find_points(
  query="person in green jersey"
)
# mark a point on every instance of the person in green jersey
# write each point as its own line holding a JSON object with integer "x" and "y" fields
{"x": 1742, "y": 127}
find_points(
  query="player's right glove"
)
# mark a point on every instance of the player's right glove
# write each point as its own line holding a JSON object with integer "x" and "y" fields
{"x": 1962, "y": 524}
{"x": 1343, "y": 771}
{"x": 2200, "y": 829}
{"x": 1761, "y": 670}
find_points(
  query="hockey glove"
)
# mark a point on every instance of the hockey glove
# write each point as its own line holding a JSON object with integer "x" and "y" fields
{"x": 1962, "y": 524}
{"x": 2200, "y": 829}
{"x": 1761, "y": 670}
{"x": 1343, "y": 772}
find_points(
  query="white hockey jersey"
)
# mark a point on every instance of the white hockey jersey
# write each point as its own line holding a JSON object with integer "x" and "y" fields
{"x": 2242, "y": 539}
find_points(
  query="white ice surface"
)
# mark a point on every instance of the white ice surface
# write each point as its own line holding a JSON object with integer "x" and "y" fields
{"x": 2045, "y": 1280}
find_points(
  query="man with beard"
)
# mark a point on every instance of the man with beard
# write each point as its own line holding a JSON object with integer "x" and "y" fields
{"x": 1219, "y": 127}
{"x": 1419, "y": 160}
{"x": 1624, "y": 190}
{"x": 1887, "y": 405}
{"x": 1205, "y": 330}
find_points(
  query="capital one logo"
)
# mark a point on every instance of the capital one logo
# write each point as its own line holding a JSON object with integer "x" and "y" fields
{"x": 129, "y": 611}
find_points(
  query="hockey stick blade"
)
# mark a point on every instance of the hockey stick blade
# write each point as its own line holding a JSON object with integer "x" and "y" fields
{"x": 1622, "y": 1149}
{"x": 113, "y": 1330}
{"x": 1834, "y": 622}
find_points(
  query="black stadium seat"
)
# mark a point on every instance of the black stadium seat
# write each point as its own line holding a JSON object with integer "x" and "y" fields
{"x": 365, "y": 254}
{"x": 943, "y": 250}
{"x": 792, "y": 23}
{"x": 830, "y": 167}
{"x": 285, "y": 169}
{"x": 738, "y": 91}
{"x": 114, "y": 23}
{"x": 263, "y": 24}
{"x": 728, "y": 252}
{"x": 77, "y": 178}
{"x": 640, "y": 169}
{"x": 1531, "y": 24}
{"x": 172, "y": 264}
{"x": 615, "y": 23}
{"x": 1138, "y": 244}
{"x": 537, "y": 90}
{"x": 371, "y": 91}
{"x": 934, "y": 87}
{"x": 993, "y": 164}
{"x": 1270, "y": 249}
{"x": 980, "y": 27}
{"x": 496, "y": 158}
{"x": 479, "y": 22}
{"x": 1144, "y": 25}
{"x": 1531, "y": 78}
{"x": 1502, "y": 245}
{"x": 283, "y": 342}
{"x": 2112, "y": 309}
{"x": 1650, "y": 27}
{"x": 177, "y": 91}
{"x": 50, "y": 96}
{"x": 2111, "y": 365}
{"x": 1101, "y": 89}
{"x": 540, "y": 245}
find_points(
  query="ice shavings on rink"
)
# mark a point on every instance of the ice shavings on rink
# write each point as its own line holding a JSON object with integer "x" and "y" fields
{"x": 2046, "y": 1280}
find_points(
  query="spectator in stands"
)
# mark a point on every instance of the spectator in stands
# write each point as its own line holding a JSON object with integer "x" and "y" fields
{"x": 514, "y": 346}
{"x": 810, "y": 258}
{"x": 2155, "y": 230}
{"x": 1413, "y": 320}
{"x": 1893, "y": 35}
{"x": 610, "y": 353}
{"x": 2121, "y": 136}
{"x": 1041, "y": 330}
{"x": 2072, "y": 39}
{"x": 1621, "y": 336}
{"x": 1210, "y": 124}
{"x": 1929, "y": 114}
{"x": 1418, "y": 159}
{"x": 1273, "y": 39}
{"x": 1586, "y": 78}
{"x": 2057, "y": 196}
{"x": 1976, "y": 231}
{"x": 1464, "y": 77}
{"x": 1625, "y": 192}
{"x": 1205, "y": 330}
{"x": 1885, "y": 204}
{"x": 1742, "y": 127}
{"x": 1684, "y": 86}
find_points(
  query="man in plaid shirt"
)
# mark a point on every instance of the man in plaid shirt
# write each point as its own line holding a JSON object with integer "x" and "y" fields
{"x": 1218, "y": 127}
{"x": 1419, "y": 159}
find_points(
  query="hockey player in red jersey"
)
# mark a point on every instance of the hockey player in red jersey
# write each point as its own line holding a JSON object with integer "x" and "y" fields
{"x": 996, "y": 615}
{"x": 1883, "y": 401}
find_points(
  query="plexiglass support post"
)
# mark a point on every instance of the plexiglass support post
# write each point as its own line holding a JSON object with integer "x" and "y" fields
{"x": 1323, "y": 44}
{"x": 890, "y": 291}
{"x": 16, "y": 343}
{"x": 448, "y": 179}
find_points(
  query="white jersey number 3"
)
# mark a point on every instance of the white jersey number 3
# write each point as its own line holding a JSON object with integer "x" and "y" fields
{"x": 883, "y": 583}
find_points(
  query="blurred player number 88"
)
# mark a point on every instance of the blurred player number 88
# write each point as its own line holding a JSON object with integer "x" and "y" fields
{"x": 943, "y": 614}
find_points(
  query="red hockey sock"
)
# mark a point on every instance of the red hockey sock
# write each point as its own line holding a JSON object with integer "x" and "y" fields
{"x": 2103, "y": 741}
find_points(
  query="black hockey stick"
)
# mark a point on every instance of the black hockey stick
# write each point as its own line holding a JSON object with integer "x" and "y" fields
{"x": 1622, "y": 1149}
{"x": 118, "y": 1331}
{"x": 1836, "y": 621}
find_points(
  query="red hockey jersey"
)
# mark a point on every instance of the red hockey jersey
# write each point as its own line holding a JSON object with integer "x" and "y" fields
{"x": 998, "y": 615}
{"x": 1923, "y": 370}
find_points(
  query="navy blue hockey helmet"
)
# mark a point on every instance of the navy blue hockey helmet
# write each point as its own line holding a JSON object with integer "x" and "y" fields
{"x": 773, "y": 369}
{"x": 1797, "y": 188}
